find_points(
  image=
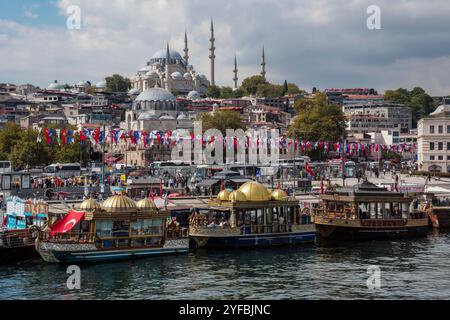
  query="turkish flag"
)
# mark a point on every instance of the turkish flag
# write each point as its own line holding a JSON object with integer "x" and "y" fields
{"x": 67, "y": 223}
{"x": 309, "y": 170}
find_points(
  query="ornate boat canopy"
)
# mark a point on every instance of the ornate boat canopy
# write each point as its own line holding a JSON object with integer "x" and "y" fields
{"x": 237, "y": 196}
{"x": 119, "y": 204}
{"x": 146, "y": 204}
{"x": 279, "y": 195}
{"x": 255, "y": 192}
{"x": 90, "y": 205}
{"x": 223, "y": 195}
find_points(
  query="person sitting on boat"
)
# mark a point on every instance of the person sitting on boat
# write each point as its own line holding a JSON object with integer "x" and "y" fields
{"x": 224, "y": 223}
{"x": 213, "y": 224}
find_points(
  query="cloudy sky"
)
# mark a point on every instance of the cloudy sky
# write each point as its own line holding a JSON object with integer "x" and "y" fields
{"x": 314, "y": 43}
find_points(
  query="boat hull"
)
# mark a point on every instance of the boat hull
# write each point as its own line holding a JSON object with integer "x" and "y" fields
{"x": 442, "y": 215}
{"x": 254, "y": 241}
{"x": 88, "y": 253}
{"x": 17, "y": 254}
{"x": 359, "y": 234}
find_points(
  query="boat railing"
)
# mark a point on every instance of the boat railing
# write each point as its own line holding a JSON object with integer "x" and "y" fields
{"x": 78, "y": 237}
{"x": 16, "y": 239}
{"x": 246, "y": 229}
{"x": 177, "y": 233}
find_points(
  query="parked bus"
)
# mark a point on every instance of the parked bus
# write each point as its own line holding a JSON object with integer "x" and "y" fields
{"x": 64, "y": 171}
{"x": 6, "y": 167}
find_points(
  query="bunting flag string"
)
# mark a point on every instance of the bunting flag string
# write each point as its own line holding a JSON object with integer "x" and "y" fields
{"x": 146, "y": 139}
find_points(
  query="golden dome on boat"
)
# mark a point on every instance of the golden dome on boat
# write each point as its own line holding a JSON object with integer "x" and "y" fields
{"x": 118, "y": 204}
{"x": 237, "y": 196}
{"x": 90, "y": 205}
{"x": 146, "y": 204}
{"x": 223, "y": 195}
{"x": 279, "y": 195}
{"x": 255, "y": 191}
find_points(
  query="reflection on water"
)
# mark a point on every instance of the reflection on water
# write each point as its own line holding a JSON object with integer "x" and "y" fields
{"x": 410, "y": 269}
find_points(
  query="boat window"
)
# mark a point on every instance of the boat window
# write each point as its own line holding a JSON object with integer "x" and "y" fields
{"x": 103, "y": 229}
{"x": 121, "y": 228}
{"x": 405, "y": 211}
{"x": 373, "y": 210}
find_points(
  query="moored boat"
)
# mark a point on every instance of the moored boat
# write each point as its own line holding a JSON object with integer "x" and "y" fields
{"x": 16, "y": 236}
{"x": 119, "y": 229}
{"x": 367, "y": 212}
{"x": 250, "y": 217}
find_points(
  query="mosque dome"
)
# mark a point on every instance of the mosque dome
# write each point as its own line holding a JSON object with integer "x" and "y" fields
{"x": 90, "y": 205}
{"x": 203, "y": 77}
{"x": 279, "y": 195}
{"x": 190, "y": 67}
{"x": 144, "y": 69}
{"x": 182, "y": 116}
{"x": 161, "y": 54}
{"x": 55, "y": 86}
{"x": 119, "y": 204}
{"x": 194, "y": 95}
{"x": 223, "y": 195}
{"x": 237, "y": 196}
{"x": 187, "y": 76}
{"x": 134, "y": 92}
{"x": 101, "y": 84}
{"x": 151, "y": 74}
{"x": 83, "y": 84}
{"x": 156, "y": 94}
{"x": 255, "y": 191}
{"x": 147, "y": 116}
{"x": 166, "y": 117}
{"x": 146, "y": 204}
{"x": 177, "y": 75}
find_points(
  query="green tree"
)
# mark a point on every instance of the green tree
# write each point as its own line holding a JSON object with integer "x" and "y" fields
{"x": 293, "y": 89}
{"x": 222, "y": 120}
{"x": 318, "y": 120}
{"x": 269, "y": 90}
{"x": 213, "y": 92}
{"x": 9, "y": 137}
{"x": 117, "y": 83}
{"x": 226, "y": 93}
{"x": 250, "y": 85}
{"x": 238, "y": 93}
{"x": 285, "y": 87}
{"x": 28, "y": 152}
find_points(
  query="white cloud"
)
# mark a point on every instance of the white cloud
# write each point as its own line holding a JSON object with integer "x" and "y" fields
{"x": 315, "y": 43}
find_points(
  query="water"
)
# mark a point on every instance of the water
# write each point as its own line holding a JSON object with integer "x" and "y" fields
{"x": 410, "y": 269}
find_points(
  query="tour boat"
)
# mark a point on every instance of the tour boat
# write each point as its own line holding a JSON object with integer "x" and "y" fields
{"x": 366, "y": 212}
{"x": 16, "y": 239}
{"x": 250, "y": 217}
{"x": 119, "y": 229}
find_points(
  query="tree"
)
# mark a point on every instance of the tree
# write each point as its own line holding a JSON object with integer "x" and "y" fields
{"x": 250, "y": 85}
{"x": 226, "y": 93}
{"x": 238, "y": 93}
{"x": 28, "y": 152}
{"x": 9, "y": 137}
{"x": 269, "y": 90}
{"x": 117, "y": 83}
{"x": 293, "y": 89}
{"x": 285, "y": 87}
{"x": 222, "y": 120}
{"x": 213, "y": 92}
{"x": 318, "y": 120}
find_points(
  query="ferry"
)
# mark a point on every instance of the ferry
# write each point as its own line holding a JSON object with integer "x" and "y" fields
{"x": 367, "y": 212}
{"x": 16, "y": 237}
{"x": 118, "y": 229}
{"x": 250, "y": 217}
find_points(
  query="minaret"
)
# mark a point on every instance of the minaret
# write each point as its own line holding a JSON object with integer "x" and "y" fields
{"x": 263, "y": 64}
{"x": 235, "y": 79}
{"x": 167, "y": 68}
{"x": 186, "y": 49}
{"x": 212, "y": 56}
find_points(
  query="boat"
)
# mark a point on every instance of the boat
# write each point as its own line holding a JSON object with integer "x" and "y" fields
{"x": 16, "y": 236}
{"x": 367, "y": 212}
{"x": 118, "y": 229}
{"x": 250, "y": 217}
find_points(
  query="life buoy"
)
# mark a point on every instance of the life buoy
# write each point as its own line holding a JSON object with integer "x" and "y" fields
{"x": 306, "y": 212}
{"x": 35, "y": 232}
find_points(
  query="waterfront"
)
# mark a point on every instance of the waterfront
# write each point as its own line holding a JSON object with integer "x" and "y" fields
{"x": 410, "y": 269}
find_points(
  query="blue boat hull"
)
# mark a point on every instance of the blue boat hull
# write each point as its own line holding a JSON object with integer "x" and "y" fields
{"x": 254, "y": 241}
{"x": 110, "y": 256}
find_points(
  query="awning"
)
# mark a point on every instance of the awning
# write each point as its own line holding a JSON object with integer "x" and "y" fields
{"x": 67, "y": 223}
{"x": 207, "y": 183}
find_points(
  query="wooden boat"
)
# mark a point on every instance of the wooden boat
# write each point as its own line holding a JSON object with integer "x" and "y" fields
{"x": 120, "y": 229}
{"x": 16, "y": 237}
{"x": 250, "y": 217}
{"x": 366, "y": 212}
